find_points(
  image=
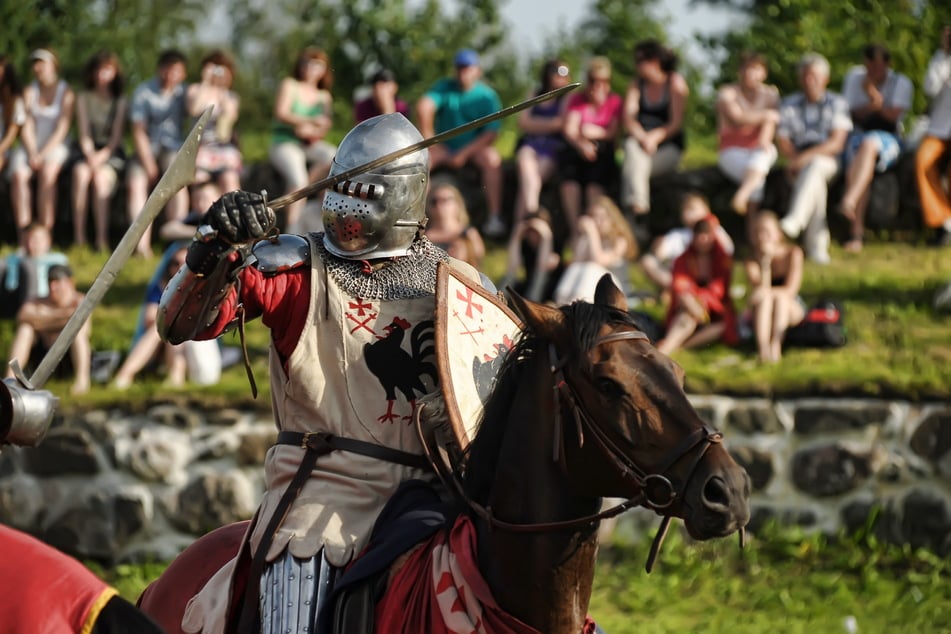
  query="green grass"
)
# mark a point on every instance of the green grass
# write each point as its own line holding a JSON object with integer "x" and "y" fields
{"x": 784, "y": 582}
{"x": 898, "y": 346}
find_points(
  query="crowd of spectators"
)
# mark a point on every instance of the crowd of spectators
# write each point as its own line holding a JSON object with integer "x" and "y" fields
{"x": 602, "y": 148}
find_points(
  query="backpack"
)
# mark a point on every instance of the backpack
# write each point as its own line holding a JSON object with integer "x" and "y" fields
{"x": 822, "y": 327}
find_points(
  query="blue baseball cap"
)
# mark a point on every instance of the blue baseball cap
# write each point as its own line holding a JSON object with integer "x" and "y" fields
{"x": 466, "y": 57}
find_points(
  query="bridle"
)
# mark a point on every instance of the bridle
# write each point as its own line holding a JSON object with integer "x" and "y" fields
{"x": 655, "y": 490}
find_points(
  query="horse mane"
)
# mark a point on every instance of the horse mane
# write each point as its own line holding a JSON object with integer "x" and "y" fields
{"x": 584, "y": 322}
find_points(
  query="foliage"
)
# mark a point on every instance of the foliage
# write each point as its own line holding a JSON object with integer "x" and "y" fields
{"x": 784, "y": 30}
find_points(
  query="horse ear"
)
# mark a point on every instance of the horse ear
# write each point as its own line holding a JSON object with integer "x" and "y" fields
{"x": 543, "y": 320}
{"x": 608, "y": 293}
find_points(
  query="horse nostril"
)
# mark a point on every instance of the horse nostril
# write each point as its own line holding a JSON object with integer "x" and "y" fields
{"x": 715, "y": 494}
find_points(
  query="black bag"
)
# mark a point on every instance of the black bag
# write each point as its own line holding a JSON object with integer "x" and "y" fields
{"x": 822, "y": 327}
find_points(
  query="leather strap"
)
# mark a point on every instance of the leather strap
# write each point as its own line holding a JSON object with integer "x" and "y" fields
{"x": 324, "y": 442}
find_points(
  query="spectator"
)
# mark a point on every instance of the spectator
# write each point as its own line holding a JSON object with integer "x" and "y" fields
{"x": 533, "y": 246}
{"x": 813, "y": 126}
{"x": 747, "y": 114}
{"x": 653, "y": 118}
{"x": 383, "y": 98}
{"x": 448, "y": 226}
{"x": 43, "y": 141}
{"x": 588, "y": 168}
{"x": 158, "y": 115}
{"x": 454, "y": 101}
{"x": 26, "y": 272}
{"x": 604, "y": 244}
{"x": 774, "y": 272}
{"x": 218, "y": 157}
{"x": 100, "y": 126}
{"x": 12, "y": 111}
{"x": 878, "y": 97}
{"x": 537, "y": 150}
{"x": 658, "y": 262}
{"x": 41, "y": 320}
{"x": 935, "y": 197}
{"x": 302, "y": 118}
{"x": 199, "y": 361}
{"x": 700, "y": 309}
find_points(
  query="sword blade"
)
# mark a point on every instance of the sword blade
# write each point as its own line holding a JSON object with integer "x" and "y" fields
{"x": 330, "y": 181}
{"x": 180, "y": 173}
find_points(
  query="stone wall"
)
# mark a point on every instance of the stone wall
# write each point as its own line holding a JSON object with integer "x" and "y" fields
{"x": 115, "y": 486}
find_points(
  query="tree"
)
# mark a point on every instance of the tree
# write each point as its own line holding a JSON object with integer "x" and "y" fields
{"x": 784, "y": 30}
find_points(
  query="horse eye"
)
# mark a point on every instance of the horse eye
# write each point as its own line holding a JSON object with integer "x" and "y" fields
{"x": 609, "y": 388}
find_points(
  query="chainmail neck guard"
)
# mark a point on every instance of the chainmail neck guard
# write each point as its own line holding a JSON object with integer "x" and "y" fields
{"x": 405, "y": 277}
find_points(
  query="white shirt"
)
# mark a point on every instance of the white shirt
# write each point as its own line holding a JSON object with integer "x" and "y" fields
{"x": 673, "y": 243}
{"x": 938, "y": 87}
{"x": 897, "y": 91}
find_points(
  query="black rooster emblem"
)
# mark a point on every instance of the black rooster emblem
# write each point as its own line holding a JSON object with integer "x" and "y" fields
{"x": 486, "y": 370}
{"x": 398, "y": 369}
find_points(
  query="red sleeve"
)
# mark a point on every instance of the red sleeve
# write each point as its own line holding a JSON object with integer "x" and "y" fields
{"x": 280, "y": 300}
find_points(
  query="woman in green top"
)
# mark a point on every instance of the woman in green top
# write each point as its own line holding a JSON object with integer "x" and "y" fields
{"x": 302, "y": 119}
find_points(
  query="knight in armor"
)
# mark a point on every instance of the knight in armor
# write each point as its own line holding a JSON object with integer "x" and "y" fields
{"x": 351, "y": 314}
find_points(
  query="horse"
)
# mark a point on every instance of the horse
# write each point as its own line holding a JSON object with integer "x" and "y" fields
{"x": 585, "y": 407}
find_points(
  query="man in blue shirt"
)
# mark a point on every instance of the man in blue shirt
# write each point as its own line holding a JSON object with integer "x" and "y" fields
{"x": 455, "y": 101}
{"x": 158, "y": 120}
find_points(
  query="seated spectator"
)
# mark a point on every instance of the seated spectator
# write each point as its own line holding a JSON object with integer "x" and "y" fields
{"x": 747, "y": 114}
{"x": 199, "y": 361}
{"x": 303, "y": 113}
{"x": 26, "y": 271}
{"x": 653, "y": 119}
{"x": 774, "y": 272}
{"x": 658, "y": 263}
{"x": 12, "y": 110}
{"x": 935, "y": 195}
{"x": 878, "y": 98}
{"x": 813, "y": 126}
{"x": 455, "y": 101}
{"x": 100, "y": 126}
{"x": 41, "y": 320}
{"x": 541, "y": 143}
{"x": 44, "y": 145}
{"x": 448, "y": 225}
{"x": 200, "y": 196}
{"x": 535, "y": 248}
{"x": 383, "y": 98}
{"x": 157, "y": 112}
{"x": 592, "y": 117}
{"x": 700, "y": 311}
{"x": 604, "y": 244}
{"x": 218, "y": 156}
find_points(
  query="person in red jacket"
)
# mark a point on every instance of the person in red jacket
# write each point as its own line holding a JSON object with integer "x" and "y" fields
{"x": 700, "y": 308}
{"x": 48, "y": 592}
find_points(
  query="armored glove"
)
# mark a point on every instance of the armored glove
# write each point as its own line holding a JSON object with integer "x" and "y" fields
{"x": 240, "y": 217}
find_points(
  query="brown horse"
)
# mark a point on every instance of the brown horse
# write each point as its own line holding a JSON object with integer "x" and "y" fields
{"x": 585, "y": 407}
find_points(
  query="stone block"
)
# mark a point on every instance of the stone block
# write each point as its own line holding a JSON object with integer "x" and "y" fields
{"x": 932, "y": 438}
{"x": 762, "y": 515}
{"x": 213, "y": 499}
{"x": 856, "y": 515}
{"x": 254, "y": 446}
{"x": 753, "y": 419}
{"x": 21, "y": 501}
{"x": 171, "y": 415}
{"x": 817, "y": 419}
{"x": 156, "y": 454}
{"x": 64, "y": 451}
{"x": 86, "y": 528}
{"x": 10, "y": 461}
{"x": 758, "y": 464}
{"x": 829, "y": 470}
{"x": 226, "y": 417}
{"x": 926, "y": 521}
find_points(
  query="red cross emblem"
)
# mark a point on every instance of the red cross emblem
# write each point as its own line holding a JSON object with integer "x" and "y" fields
{"x": 360, "y": 306}
{"x": 467, "y": 298}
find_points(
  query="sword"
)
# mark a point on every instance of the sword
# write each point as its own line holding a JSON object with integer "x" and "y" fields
{"x": 25, "y": 415}
{"x": 330, "y": 181}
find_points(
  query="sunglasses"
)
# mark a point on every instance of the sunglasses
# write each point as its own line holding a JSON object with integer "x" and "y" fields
{"x": 562, "y": 71}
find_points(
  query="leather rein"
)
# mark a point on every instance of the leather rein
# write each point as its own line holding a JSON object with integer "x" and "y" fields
{"x": 655, "y": 490}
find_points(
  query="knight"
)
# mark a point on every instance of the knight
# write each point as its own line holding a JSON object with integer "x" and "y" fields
{"x": 350, "y": 312}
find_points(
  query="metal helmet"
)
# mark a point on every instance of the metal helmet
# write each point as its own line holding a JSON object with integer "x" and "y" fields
{"x": 377, "y": 213}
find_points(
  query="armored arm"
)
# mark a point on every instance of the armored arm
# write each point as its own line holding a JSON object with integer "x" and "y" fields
{"x": 192, "y": 300}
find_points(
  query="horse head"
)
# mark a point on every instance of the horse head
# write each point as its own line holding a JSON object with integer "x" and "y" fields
{"x": 627, "y": 426}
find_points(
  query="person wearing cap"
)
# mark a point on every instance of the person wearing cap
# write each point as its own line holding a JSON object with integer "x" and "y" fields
{"x": 382, "y": 99}
{"x": 43, "y": 142}
{"x": 41, "y": 320}
{"x": 454, "y": 101}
